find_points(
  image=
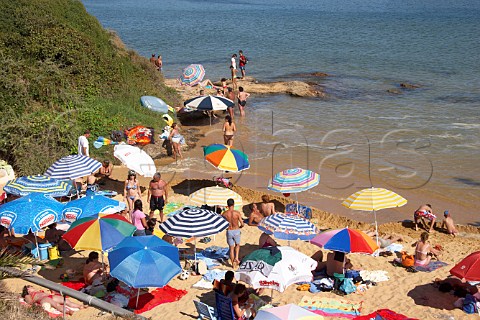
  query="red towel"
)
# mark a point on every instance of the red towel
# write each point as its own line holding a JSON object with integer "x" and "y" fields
{"x": 150, "y": 300}
{"x": 385, "y": 314}
{"x": 75, "y": 285}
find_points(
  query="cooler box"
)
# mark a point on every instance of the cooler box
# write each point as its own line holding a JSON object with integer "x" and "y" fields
{"x": 43, "y": 249}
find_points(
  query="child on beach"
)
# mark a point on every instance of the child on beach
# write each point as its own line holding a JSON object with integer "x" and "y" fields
{"x": 424, "y": 212}
{"x": 448, "y": 224}
{"x": 242, "y": 100}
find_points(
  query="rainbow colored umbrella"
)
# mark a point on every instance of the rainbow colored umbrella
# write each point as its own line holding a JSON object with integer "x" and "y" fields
{"x": 99, "y": 233}
{"x": 225, "y": 158}
{"x": 469, "y": 268}
{"x": 345, "y": 240}
{"x": 294, "y": 180}
{"x": 192, "y": 74}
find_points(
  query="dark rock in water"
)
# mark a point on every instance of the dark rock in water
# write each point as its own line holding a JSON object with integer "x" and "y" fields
{"x": 394, "y": 91}
{"x": 319, "y": 74}
{"x": 409, "y": 85}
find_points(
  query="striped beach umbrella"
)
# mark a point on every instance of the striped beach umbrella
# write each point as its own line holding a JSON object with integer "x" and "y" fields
{"x": 99, "y": 233}
{"x": 214, "y": 196}
{"x": 91, "y": 206}
{"x": 225, "y": 158}
{"x": 206, "y": 103}
{"x": 374, "y": 199}
{"x": 294, "y": 180}
{"x": 25, "y": 185}
{"x": 192, "y": 74}
{"x": 345, "y": 240}
{"x": 73, "y": 167}
{"x": 288, "y": 227}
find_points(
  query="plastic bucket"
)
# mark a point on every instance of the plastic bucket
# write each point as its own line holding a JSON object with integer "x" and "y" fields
{"x": 53, "y": 253}
{"x": 43, "y": 249}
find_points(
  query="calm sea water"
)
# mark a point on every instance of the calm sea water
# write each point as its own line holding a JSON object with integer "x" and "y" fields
{"x": 427, "y": 139}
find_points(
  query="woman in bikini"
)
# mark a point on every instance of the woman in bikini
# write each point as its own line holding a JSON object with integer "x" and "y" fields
{"x": 131, "y": 191}
{"x": 44, "y": 299}
{"x": 424, "y": 251}
{"x": 177, "y": 140}
{"x": 229, "y": 129}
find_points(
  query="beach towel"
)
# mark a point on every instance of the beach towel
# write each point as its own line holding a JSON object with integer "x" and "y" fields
{"x": 172, "y": 207}
{"x": 374, "y": 276}
{"x": 384, "y": 314}
{"x": 203, "y": 284}
{"x": 331, "y": 307}
{"x": 150, "y": 300}
{"x": 432, "y": 266}
{"x": 75, "y": 285}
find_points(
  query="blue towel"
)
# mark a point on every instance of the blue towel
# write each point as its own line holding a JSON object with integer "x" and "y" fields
{"x": 432, "y": 266}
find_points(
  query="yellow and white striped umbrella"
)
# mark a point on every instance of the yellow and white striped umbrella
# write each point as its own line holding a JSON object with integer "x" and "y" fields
{"x": 214, "y": 196}
{"x": 373, "y": 199}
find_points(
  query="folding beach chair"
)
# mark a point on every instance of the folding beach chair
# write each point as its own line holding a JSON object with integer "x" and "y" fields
{"x": 303, "y": 211}
{"x": 204, "y": 311}
{"x": 224, "y": 307}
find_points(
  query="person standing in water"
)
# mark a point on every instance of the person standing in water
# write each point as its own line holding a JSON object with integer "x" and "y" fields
{"x": 233, "y": 69}
{"x": 242, "y": 100}
{"x": 242, "y": 61}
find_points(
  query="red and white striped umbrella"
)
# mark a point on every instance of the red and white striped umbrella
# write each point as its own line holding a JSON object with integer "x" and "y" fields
{"x": 192, "y": 74}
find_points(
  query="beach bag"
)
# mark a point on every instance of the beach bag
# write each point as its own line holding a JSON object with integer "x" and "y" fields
{"x": 408, "y": 260}
{"x": 347, "y": 286}
{"x": 470, "y": 304}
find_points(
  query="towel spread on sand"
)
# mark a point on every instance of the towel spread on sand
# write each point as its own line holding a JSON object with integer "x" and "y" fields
{"x": 331, "y": 307}
{"x": 432, "y": 266}
{"x": 384, "y": 314}
{"x": 75, "y": 285}
{"x": 375, "y": 276}
{"x": 150, "y": 300}
{"x": 172, "y": 207}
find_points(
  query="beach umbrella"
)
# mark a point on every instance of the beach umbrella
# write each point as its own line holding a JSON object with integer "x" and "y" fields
{"x": 345, "y": 240}
{"x": 262, "y": 260}
{"x": 135, "y": 159}
{"x": 374, "y": 199}
{"x": 288, "y": 227}
{"x": 293, "y": 267}
{"x": 98, "y": 233}
{"x": 73, "y": 167}
{"x": 144, "y": 261}
{"x": 192, "y": 74}
{"x": 469, "y": 268}
{"x": 32, "y": 212}
{"x": 287, "y": 312}
{"x": 209, "y": 103}
{"x": 214, "y": 196}
{"x": 90, "y": 206}
{"x": 225, "y": 158}
{"x": 194, "y": 222}
{"x": 294, "y": 180}
{"x": 25, "y": 185}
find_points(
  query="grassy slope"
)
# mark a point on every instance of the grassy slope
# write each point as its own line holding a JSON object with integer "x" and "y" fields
{"x": 62, "y": 73}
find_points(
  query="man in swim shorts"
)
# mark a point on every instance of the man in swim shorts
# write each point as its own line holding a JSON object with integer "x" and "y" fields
{"x": 157, "y": 195}
{"x": 235, "y": 222}
{"x": 424, "y": 212}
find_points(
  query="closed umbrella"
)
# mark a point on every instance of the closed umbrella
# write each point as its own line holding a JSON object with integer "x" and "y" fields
{"x": 192, "y": 74}
{"x": 225, "y": 158}
{"x": 194, "y": 222}
{"x": 90, "y": 206}
{"x": 144, "y": 261}
{"x": 73, "y": 167}
{"x": 374, "y": 199}
{"x": 135, "y": 159}
{"x": 25, "y": 185}
{"x": 469, "y": 268}
{"x": 214, "y": 196}
{"x": 345, "y": 240}
{"x": 288, "y": 227}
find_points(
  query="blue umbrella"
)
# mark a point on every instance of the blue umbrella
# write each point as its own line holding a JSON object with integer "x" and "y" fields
{"x": 73, "y": 167}
{"x": 91, "y": 205}
{"x": 32, "y": 212}
{"x": 23, "y": 186}
{"x": 144, "y": 261}
{"x": 288, "y": 227}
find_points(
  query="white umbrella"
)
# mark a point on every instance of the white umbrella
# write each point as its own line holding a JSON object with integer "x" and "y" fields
{"x": 135, "y": 159}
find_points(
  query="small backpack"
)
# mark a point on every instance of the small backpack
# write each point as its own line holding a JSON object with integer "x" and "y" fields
{"x": 408, "y": 260}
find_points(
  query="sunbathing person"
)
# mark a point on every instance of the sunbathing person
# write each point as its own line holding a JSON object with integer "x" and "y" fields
{"x": 267, "y": 208}
{"x": 93, "y": 269}
{"x": 255, "y": 215}
{"x": 451, "y": 283}
{"x": 207, "y": 84}
{"x": 266, "y": 240}
{"x": 424, "y": 251}
{"x": 46, "y": 300}
{"x": 385, "y": 240}
{"x": 337, "y": 262}
{"x": 448, "y": 224}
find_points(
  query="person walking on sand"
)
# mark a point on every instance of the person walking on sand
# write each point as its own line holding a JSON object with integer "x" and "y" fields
{"x": 242, "y": 61}
{"x": 242, "y": 100}
{"x": 235, "y": 222}
{"x": 177, "y": 141}
{"x": 83, "y": 147}
{"x": 233, "y": 69}
{"x": 229, "y": 129}
{"x": 424, "y": 212}
{"x": 157, "y": 195}
{"x": 448, "y": 224}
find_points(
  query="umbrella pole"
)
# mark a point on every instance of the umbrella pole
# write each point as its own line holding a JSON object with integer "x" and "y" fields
{"x": 376, "y": 225}
{"x": 64, "y": 302}
{"x": 138, "y": 296}
{"x": 103, "y": 268}
{"x": 36, "y": 244}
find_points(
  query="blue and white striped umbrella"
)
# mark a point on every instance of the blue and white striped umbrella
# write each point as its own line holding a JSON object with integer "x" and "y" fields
{"x": 73, "y": 167}
{"x": 205, "y": 103}
{"x": 288, "y": 227}
{"x": 192, "y": 74}
{"x": 25, "y": 185}
{"x": 32, "y": 212}
{"x": 194, "y": 222}
{"x": 90, "y": 206}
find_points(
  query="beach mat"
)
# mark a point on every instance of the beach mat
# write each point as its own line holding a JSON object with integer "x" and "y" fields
{"x": 150, "y": 300}
{"x": 75, "y": 285}
{"x": 171, "y": 208}
{"x": 384, "y": 314}
{"x": 432, "y": 266}
{"x": 331, "y": 307}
